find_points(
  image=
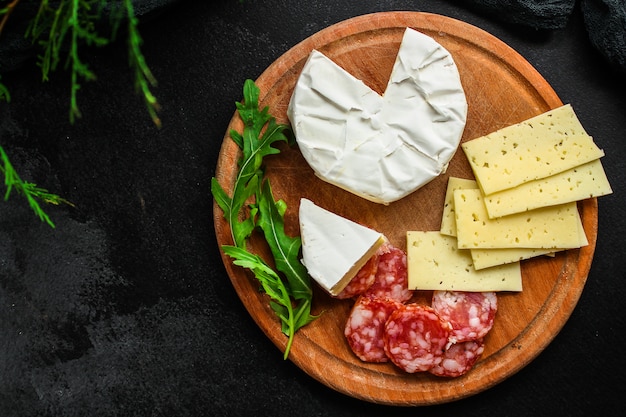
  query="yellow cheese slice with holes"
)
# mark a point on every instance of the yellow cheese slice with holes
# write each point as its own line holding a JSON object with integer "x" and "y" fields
{"x": 434, "y": 262}
{"x": 448, "y": 222}
{"x": 539, "y": 147}
{"x": 487, "y": 258}
{"x": 482, "y": 258}
{"x": 555, "y": 227}
{"x": 585, "y": 181}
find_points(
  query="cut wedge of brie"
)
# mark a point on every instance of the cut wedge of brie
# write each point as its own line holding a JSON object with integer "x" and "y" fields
{"x": 334, "y": 248}
{"x": 381, "y": 148}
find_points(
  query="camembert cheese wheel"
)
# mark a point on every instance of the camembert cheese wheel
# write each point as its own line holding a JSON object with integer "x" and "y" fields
{"x": 381, "y": 148}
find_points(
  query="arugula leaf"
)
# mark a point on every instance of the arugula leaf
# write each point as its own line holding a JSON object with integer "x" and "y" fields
{"x": 255, "y": 144}
{"x": 231, "y": 207}
{"x": 272, "y": 285}
{"x": 270, "y": 281}
{"x": 291, "y": 298}
{"x": 301, "y": 314}
{"x": 284, "y": 248}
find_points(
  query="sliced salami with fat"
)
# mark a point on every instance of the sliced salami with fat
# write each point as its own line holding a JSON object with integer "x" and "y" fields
{"x": 415, "y": 337}
{"x": 365, "y": 326}
{"x": 471, "y": 314}
{"x": 459, "y": 358}
{"x": 391, "y": 276}
{"x": 363, "y": 279}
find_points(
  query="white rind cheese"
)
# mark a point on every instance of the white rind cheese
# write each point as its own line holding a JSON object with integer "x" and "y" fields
{"x": 381, "y": 148}
{"x": 334, "y": 248}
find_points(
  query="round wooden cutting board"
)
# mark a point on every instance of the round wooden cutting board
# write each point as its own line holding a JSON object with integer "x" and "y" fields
{"x": 502, "y": 88}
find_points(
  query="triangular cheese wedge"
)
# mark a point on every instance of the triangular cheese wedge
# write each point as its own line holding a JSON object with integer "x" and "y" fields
{"x": 334, "y": 248}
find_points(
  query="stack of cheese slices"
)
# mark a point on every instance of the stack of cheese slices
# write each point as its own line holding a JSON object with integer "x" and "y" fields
{"x": 522, "y": 204}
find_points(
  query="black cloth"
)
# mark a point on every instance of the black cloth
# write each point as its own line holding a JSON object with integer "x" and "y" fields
{"x": 125, "y": 308}
{"x": 605, "y": 20}
{"x": 536, "y": 14}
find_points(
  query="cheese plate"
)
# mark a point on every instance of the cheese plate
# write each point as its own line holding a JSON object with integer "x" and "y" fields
{"x": 502, "y": 88}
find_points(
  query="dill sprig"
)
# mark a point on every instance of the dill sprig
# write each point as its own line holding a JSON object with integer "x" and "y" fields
{"x": 5, "y": 12}
{"x": 143, "y": 76}
{"x": 52, "y": 27}
{"x": 66, "y": 24}
{"x": 30, "y": 191}
{"x": 59, "y": 27}
{"x": 4, "y": 92}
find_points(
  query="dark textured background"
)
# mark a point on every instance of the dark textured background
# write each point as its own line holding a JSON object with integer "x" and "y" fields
{"x": 125, "y": 308}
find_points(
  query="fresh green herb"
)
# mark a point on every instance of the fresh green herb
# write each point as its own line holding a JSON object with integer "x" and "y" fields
{"x": 143, "y": 76}
{"x": 5, "y": 12}
{"x": 255, "y": 145}
{"x": 271, "y": 221}
{"x": 291, "y": 318}
{"x": 30, "y": 191}
{"x": 285, "y": 251}
{"x": 60, "y": 27}
{"x": 290, "y": 298}
{"x": 4, "y": 93}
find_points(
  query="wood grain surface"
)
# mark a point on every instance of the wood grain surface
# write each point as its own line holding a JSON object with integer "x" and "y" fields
{"x": 502, "y": 88}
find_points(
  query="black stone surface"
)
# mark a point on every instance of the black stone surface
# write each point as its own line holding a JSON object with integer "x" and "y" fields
{"x": 125, "y": 308}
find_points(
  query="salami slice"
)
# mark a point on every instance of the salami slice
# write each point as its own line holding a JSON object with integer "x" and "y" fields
{"x": 363, "y": 279}
{"x": 365, "y": 326}
{"x": 471, "y": 314}
{"x": 459, "y": 358}
{"x": 392, "y": 279}
{"x": 415, "y": 337}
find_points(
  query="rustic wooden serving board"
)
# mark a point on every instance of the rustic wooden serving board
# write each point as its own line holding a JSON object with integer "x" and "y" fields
{"x": 502, "y": 88}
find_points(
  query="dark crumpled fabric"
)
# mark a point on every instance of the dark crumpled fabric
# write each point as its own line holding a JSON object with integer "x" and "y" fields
{"x": 605, "y": 20}
{"x": 536, "y": 14}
